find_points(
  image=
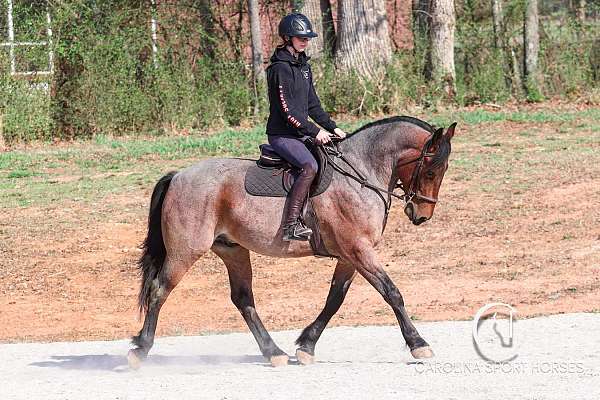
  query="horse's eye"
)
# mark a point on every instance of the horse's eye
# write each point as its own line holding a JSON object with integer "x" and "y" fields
{"x": 429, "y": 174}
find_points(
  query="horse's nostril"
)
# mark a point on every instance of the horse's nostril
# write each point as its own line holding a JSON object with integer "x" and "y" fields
{"x": 409, "y": 210}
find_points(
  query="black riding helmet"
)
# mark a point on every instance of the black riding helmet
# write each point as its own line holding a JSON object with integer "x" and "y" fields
{"x": 296, "y": 25}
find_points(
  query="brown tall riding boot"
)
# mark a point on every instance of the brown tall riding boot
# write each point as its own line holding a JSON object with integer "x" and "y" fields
{"x": 293, "y": 228}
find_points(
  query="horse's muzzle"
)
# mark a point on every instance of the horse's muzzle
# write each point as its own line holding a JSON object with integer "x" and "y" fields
{"x": 419, "y": 221}
{"x": 410, "y": 209}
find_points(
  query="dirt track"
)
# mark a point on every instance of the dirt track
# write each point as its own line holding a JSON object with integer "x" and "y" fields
{"x": 518, "y": 222}
{"x": 557, "y": 359}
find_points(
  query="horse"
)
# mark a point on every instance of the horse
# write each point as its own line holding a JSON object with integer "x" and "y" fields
{"x": 205, "y": 207}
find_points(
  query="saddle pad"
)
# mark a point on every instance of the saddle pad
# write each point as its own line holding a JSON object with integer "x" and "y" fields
{"x": 269, "y": 182}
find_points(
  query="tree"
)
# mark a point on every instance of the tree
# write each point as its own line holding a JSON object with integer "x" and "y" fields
{"x": 363, "y": 39}
{"x": 2, "y": 144}
{"x": 505, "y": 50}
{"x": 257, "y": 58}
{"x": 531, "y": 45}
{"x": 319, "y": 13}
{"x": 421, "y": 25}
{"x": 68, "y": 119}
{"x": 443, "y": 22}
{"x": 512, "y": 48}
{"x": 420, "y": 18}
{"x": 581, "y": 11}
{"x": 498, "y": 18}
{"x": 207, "y": 22}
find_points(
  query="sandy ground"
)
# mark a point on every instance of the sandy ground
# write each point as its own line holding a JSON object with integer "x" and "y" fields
{"x": 557, "y": 359}
{"x": 522, "y": 227}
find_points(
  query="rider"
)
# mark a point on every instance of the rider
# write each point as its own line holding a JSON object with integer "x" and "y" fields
{"x": 293, "y": 99}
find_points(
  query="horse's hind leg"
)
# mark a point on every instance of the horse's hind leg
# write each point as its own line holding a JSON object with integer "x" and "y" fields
{"x": 340, "y": 283}
{"x": 168, "y": 277}
{"x": 237, "y": 261}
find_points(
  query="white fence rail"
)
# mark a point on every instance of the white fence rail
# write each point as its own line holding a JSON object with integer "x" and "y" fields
{"x": 12, "y": 45}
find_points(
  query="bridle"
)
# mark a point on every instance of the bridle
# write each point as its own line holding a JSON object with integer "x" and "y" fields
{"x": 331, "y": 149}
{"x": 412, "y": 192}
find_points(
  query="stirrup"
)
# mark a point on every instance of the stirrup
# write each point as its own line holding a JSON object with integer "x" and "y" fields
{"x": 297, "y": 231}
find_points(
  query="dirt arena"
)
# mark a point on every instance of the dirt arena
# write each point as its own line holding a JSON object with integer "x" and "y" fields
{"x": 518, "y": 222}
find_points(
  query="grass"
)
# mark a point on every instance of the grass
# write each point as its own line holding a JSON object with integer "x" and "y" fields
{"x": 483, "y": 153}
{"x": 20, "y": 173}
{"x": 477, "y": 117}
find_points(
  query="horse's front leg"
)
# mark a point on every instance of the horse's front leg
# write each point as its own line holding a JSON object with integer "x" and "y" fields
{"x": 365, "y": 258}
{"x": 340, "y": 283}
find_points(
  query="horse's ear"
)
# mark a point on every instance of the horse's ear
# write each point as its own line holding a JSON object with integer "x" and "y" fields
{"x": 435, "y": 140}
{"x": 439, "y": 133}
{"x": 450, "y": 132}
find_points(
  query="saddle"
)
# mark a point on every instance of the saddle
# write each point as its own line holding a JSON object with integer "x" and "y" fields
{"x": 272, "y": 176}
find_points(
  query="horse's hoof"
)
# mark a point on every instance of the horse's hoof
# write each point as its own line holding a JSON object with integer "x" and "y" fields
{"x": 279, "y": 361}
{"x": 304, "y": 358}
{"x": 422, "y": 352}
{"x": 134, "y": 361}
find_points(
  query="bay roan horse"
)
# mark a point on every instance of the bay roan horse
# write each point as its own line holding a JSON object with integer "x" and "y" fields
{"x": 205, "y": 207}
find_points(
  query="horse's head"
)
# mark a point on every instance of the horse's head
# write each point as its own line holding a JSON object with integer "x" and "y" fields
{"x": 421, "y": 177}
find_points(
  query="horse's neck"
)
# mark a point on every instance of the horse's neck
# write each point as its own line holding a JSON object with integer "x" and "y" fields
{"x": 374, "y": 158}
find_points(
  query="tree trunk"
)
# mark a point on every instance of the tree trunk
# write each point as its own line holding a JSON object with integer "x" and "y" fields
{"x": 531, "y": 46}
{"x": 363, "y": 38}
{"x": 503, "y": 47}
{"x": 420, "y": 18}
{"x": 515, "y": 69}
{"x": 581, "y": 11}
{"x": 312, "y": 9}
{"x": 257, "y": 58}
{"x": 319, "y": 13}
{"x": 68, "y": 120}
{"x": 207, "y": 21}
{"x": 421, "y": 27}
{"x": 2, "y": 144}
{"x": 595, "y": 60}
{"x": 443, "y": 22}
{"x": 329, "y": 37}
{"x": 498, "y": 18}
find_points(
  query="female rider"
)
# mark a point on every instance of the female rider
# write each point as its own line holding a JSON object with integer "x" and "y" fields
{"x": 293, "y": 99}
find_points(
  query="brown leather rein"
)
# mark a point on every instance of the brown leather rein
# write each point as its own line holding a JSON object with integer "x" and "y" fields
{"x": 409, "y": 194}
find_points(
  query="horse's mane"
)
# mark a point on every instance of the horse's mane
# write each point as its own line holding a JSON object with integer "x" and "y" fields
{"x": 399, "y": 118}
{"x": 443, "y": 150}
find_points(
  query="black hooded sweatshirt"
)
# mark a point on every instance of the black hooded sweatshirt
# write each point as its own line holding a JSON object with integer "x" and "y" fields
{"x": 292, "y": 97}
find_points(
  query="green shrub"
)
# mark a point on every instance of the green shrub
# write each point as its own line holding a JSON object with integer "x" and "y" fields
{"x": 115, "y": 88}
{"x": 24, "y": 107}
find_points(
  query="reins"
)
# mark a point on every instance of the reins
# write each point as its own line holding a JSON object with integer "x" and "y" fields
{"x": 331, "y": 151}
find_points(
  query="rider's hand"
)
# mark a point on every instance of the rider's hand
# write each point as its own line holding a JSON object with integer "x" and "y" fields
{"x": 323, "y": 137}
{"x": 339, "y": 133}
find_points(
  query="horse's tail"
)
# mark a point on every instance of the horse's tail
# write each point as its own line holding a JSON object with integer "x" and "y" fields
{"x": 154, "y": 251}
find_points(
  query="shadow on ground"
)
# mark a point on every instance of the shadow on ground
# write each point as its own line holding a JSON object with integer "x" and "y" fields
{"x": 107, "y": 362}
